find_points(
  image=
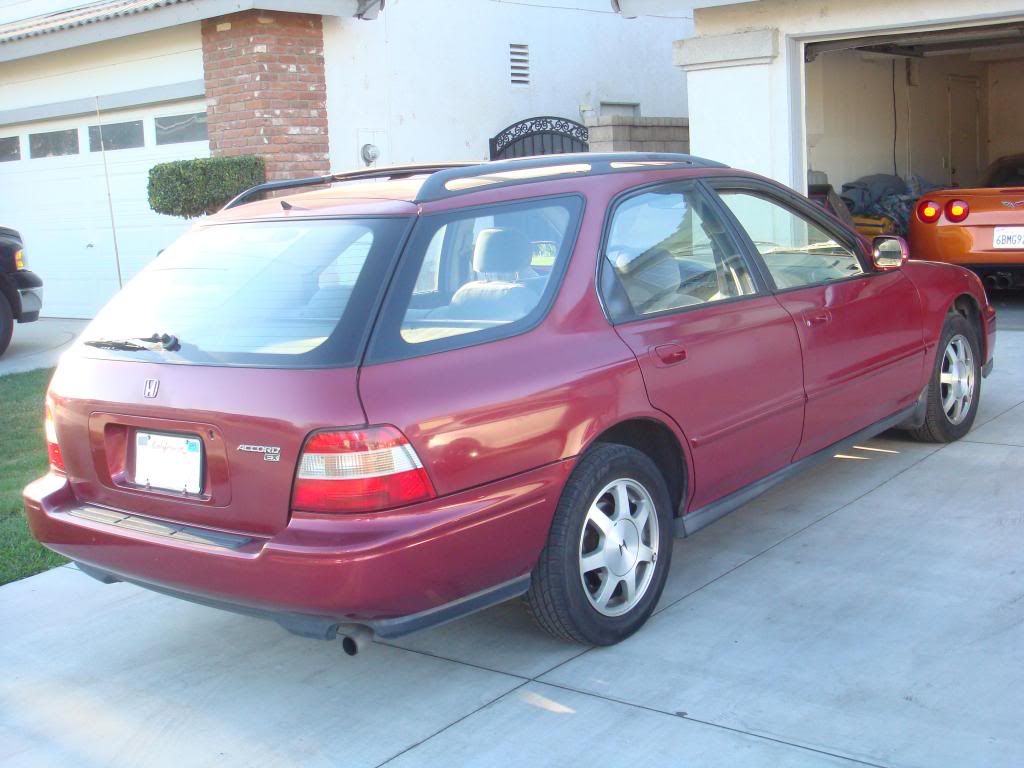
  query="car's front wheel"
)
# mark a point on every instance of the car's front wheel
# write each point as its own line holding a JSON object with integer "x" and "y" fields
{"x": 6, "y": 324}
{"x": 954, "y": 391}
{"x": 608, "y": 552}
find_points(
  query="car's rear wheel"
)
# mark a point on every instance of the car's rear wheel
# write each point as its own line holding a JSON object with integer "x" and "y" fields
{"x": 954, "y": 391}
{"x": 608, "y": 552}
{"x": 6, "y": 324}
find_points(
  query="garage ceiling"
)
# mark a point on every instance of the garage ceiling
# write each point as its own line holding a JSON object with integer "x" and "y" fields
{"x": 920, "y": 44}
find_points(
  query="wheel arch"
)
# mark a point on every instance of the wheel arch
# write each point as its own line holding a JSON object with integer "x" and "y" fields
{"x": 660, "y": 443}
{"x": 967, "y": 305}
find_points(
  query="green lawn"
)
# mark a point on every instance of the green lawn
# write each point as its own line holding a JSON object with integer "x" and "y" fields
{"x": 22, "y": 460}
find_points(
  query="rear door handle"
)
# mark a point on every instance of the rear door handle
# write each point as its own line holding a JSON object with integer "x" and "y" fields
{"x": 670, "y": 354}
{"x": 817, "y": 317}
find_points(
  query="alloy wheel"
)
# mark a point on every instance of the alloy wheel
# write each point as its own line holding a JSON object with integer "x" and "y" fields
{"x": 956, "y": 379}
{"x": 618, "y": 548}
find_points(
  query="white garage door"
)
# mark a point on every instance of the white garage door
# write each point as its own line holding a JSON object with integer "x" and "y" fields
{"x": 54, "y": 190}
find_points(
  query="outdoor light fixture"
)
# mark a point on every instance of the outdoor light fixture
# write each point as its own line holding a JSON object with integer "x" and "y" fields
{"x": 370, "y": 153}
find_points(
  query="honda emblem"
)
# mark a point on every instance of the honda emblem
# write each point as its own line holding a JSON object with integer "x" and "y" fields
{"x": 151, "y": 388}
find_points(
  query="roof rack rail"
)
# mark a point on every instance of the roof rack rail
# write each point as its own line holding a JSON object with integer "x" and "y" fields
{"x": 435, "y": 186}
{"x": 385, "y": 172}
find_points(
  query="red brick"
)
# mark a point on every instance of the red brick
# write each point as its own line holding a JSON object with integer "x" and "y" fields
{"x": 257, "y": 98}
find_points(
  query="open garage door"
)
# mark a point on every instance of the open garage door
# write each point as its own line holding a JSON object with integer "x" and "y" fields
{"x": 927, "y": 110}
{"x": 79, "y": 197}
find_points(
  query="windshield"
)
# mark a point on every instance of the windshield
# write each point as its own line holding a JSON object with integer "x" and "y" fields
{"x": 295, "y": 293}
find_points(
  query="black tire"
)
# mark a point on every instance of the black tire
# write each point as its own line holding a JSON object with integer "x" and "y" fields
{"x": 937, "y": 427}
{"x": 6, "y": 324}
{"x": 557, "y": 598}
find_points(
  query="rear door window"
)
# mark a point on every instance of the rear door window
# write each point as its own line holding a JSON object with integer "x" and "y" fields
{"x": 284, "y": 293}
{"x": 667, "y": 250}
{"x": 476, "y": 275}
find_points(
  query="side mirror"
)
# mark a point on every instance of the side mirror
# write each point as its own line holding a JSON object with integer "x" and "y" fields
{"x": 889, "y": 252}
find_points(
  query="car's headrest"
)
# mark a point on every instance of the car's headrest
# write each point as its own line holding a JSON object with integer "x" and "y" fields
{"x": 653, "y": 273}
{"x": 503, "y": 251}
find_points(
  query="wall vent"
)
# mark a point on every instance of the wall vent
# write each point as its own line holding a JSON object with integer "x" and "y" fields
{"x": 519, "y": 63}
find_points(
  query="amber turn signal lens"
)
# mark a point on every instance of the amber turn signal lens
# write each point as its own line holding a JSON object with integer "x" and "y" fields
{"x": 957, "y": 211}
{"x": 929, "y": 211}
{"x": 19, "y": 259}
{"x": 52, "y": 448}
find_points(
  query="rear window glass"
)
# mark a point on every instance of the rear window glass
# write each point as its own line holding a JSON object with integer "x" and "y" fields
{"x": 295, "y": 293}
{"x": 476, "y": 275}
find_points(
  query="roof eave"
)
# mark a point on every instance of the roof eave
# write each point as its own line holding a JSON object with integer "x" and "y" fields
{"x": 169, "y": 16}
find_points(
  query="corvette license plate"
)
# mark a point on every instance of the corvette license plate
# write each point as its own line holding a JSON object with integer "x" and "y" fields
{"x": 1008, "y": 237}
{"x": 169, "y": 462}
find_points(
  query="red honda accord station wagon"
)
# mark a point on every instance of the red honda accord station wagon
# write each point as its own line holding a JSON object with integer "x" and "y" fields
{"x": 380, "y": 405}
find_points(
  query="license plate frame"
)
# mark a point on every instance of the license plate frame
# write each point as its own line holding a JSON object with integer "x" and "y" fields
{"x": 171, "y": 462}
{"x": 1008, "y": 238}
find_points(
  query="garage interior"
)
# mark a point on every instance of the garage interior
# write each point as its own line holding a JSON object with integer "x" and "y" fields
{"x": 932, "y": 108}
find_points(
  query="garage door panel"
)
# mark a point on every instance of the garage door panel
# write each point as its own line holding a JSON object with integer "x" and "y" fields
{"x": 61, "y": 207}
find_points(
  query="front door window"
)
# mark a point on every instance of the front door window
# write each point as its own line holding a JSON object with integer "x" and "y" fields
{"x": 796, "y": 251}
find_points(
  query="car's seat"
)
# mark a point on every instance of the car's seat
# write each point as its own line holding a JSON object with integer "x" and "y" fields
{"x": 506, "y": 287}
{"x": 653, "y": 281}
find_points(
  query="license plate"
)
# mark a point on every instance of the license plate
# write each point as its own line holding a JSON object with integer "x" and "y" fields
{"x": 1008, "y": 237}
{"x": 169, "y": 462}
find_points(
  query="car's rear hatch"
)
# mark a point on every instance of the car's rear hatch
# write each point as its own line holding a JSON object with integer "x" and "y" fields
{"x": 246, "y": 425}
{"x": 268, "y": 321}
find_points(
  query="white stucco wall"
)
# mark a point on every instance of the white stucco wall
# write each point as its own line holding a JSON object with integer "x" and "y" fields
{"x": 425, "y": 84}
{"x": 163, "y": 57}
{"x": 849, "y": 98}
{"x": 750, "y": 113}
{"x": 1006, "y": 108}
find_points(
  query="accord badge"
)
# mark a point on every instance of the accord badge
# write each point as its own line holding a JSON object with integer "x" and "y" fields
{"x": 270, "y": 452}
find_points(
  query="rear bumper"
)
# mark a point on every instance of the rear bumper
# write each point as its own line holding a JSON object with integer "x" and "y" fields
{"x": 393, "y": 571}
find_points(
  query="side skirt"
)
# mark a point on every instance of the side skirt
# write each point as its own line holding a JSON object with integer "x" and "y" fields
{"x": 690, "y": 523}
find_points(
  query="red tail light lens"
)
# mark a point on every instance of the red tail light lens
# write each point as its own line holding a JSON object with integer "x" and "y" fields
{"x": 56, "y": 459}
{"x": 929, "y": 211}
{"x": 957, "y": 211}
{"x": 365, "y": 470}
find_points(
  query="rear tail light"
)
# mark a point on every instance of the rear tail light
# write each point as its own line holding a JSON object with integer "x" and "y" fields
{"x": 56, "y": 459}
{"x": 957, "y": 210}
{"x": 363, "y": 470}
{"x": 929, "y": 211}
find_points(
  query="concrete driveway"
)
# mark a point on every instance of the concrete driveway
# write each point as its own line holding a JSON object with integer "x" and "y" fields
{"x": 39, "y": 344}
{"x": 870, "y": 612}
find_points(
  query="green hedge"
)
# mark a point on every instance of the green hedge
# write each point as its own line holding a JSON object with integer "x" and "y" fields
{"x": 191, "y": 188}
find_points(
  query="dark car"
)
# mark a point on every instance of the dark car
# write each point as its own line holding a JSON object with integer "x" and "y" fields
{"x": 21, "y": 291}
{"x": 385, "y": 404}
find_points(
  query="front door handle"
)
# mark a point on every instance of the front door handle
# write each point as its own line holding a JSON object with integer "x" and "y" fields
{"x": 670, "y": 354}
{"x": 817, "y": 317}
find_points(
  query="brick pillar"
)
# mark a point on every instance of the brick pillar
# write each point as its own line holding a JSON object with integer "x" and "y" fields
{"x": 265, "y": 90}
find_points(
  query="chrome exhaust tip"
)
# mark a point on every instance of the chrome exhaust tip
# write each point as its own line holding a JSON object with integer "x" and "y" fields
{"x": 354, "y": 639}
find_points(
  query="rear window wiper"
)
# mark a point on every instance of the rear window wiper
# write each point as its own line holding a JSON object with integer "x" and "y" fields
{"x": 138, "y": 343}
